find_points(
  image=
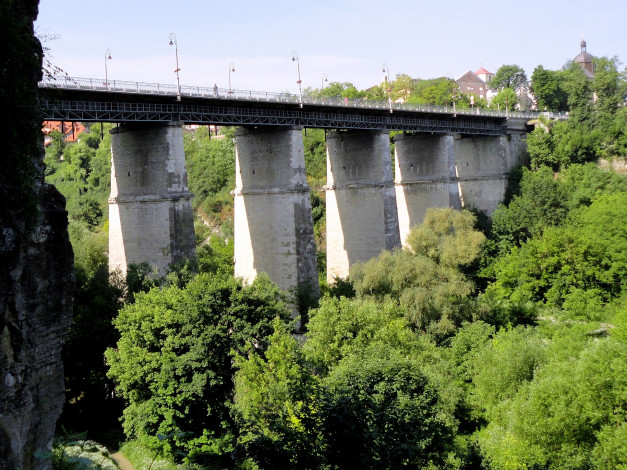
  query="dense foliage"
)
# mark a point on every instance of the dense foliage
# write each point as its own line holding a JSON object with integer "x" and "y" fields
{"x": 500, "y": 347}
{"x": 173, "y": 361}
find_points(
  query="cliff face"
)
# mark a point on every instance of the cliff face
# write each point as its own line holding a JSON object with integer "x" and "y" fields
{"x": 36, "y": 260}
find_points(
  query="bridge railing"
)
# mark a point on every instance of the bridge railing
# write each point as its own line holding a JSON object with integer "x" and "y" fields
{"x": 119, "y": 86}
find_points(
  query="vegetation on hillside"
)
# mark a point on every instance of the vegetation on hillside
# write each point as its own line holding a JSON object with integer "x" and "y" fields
{"x": 500, "y": 347}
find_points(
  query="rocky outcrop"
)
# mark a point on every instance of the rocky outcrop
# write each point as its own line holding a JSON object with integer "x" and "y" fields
{"x": 36, "y": 260}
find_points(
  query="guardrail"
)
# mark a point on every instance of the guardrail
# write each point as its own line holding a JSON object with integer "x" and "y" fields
{"x": 145, "y": 88}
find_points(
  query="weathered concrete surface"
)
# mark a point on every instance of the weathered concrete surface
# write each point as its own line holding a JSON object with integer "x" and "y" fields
{"x": 150, "y": 212}
{"x": 361, "y": 214}
{"x": 459, "y": 171}
{"x": 273, "y": 223}
{"x": 36, "y": 260}
{"x": 424, "y": 177}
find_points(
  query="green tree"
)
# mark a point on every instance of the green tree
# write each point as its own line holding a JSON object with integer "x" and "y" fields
{"x": 211, "y": 170}
{"x": 578, "y": 88}
{"x": 547, "y": 88}
{"x": 605, "y": 86}
{"x": 173, "y": 362}
{"x": 341, "y": 90}
{"x": 509, "y": 76}
{"x": 584, "y": 255}
{"x": 505, "y": 99}
{"x": 379, "y": 410}
{"x": 426, "y": 279}
{"x": 402, "y": 87}
{"x": 56, "y": 146}
{"x": 274, "y": 405}
{"x": 437, "y": 91}
{"x": 341, "y": 327}
{"x": 570, "y": 414}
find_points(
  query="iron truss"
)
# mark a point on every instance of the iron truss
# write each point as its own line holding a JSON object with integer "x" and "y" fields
{"x": 92, "y": 110}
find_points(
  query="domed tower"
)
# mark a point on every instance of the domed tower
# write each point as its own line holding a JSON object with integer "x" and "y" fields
{"x": 586, "y": 60}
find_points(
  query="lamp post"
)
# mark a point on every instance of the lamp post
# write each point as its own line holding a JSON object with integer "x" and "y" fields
{"x": 107, "y": 57}
{"x": 172, "y": 38}
{"x": 324, "y": 79}
{"x": 231, "y": 69}
{"x": 386, "y": 76}
{"x": 300, "y": 88}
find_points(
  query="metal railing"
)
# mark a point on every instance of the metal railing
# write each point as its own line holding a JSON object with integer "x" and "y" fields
{"x": 145, "y": 88}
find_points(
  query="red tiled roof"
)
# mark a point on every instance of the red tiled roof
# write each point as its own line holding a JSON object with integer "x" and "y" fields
{"x": 482, "y": 71}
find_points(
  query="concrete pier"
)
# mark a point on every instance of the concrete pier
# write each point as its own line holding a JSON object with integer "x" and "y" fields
{"x": 150, "y": 211}
{"x": 482, "y": 170}
{"x": 459, "y": 171}
{"x": 425, "y": 177}
{"x": 273, "y": 222}
{"x": 361, "y": 212}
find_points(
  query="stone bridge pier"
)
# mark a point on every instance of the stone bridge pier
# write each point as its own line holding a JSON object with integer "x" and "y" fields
{"x": 150, "y": 212}
{"x": 424, "y": 177}
{"x": 459, "y": 171}
{"x": 273, "y": 222}
{"x": 361, "y": 212}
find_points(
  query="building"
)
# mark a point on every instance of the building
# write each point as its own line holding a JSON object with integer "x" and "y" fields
{"x": 484, "y": 75}
{"x": 70, "y": 130}
{"x": 470, "y": 83}
{"x": 586, "y": 60}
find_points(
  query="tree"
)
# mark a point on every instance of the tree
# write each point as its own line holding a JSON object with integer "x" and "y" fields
{"x": 568, "y": 413}
{"x": 505, "y": 99}
{"x": 379, "y": 410}
{"x": 582, "y": 256}
{"x": 341, "y": 90}
{"x": 605, "y": 86}
{"x": 173, "y": 362}
{"x": 56, "y": 146}
{"x": 437, "y": 91}
{"x": 341, "y": 327}
{"x": 547, "y": 89}
{"x": 274, "y": 405}
{"x": 426, "y": 278}
{"x": 509, "y": 76}
{"x": 402, "y": 87}
{"x": 578, "y": 88}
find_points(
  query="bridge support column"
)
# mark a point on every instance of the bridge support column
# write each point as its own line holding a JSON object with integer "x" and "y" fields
{"x": 483, "y": 164}
{"x": 361, "y": 204}
{"x": 150, "y": 212}
{"x": 424, "y": 177}
{"x": 273, "y": 222}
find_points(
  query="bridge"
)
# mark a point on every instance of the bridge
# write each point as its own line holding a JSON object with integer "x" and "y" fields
{"x": 444, "y": 157}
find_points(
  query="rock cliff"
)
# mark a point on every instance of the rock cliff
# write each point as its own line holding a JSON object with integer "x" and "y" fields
{"x": 36, "y": 260}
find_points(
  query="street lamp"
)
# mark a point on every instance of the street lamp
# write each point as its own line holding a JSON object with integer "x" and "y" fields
{"x": 386, "y": 76}
{"x": 172, "y": 38}
{"x": 231, "y": 69}
{"x": 107, "y": 57}
{"x": 324, "y": 79}
{"x": 300, "y": 88}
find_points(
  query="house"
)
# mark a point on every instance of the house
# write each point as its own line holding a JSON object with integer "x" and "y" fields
{"x": 70, "y": 130}
{"x": 471, "y": 83}
{"x": 484, "y": 75}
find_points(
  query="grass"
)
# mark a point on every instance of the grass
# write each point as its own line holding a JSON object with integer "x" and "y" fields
{"x": 143, "y": 458}
{"x": 81, "y": 455}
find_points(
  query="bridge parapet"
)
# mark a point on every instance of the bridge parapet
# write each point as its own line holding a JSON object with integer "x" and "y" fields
{"x": 187, "y": 91}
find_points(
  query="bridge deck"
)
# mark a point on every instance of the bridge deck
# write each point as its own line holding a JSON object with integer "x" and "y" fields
{"x": 90, "y": 100}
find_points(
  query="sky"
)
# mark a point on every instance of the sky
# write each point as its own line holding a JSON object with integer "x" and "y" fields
{"x": 344, "y": 40}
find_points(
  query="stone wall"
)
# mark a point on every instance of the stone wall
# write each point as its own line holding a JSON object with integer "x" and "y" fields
{"x": 36, "y": 260}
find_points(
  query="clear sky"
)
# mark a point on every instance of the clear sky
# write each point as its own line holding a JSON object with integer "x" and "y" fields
{"x": 348, "y": 40}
